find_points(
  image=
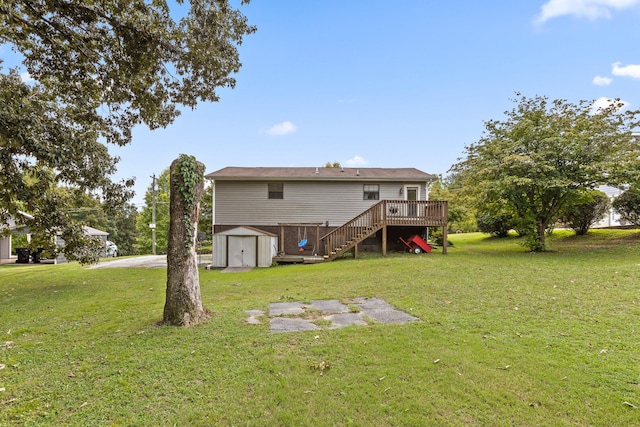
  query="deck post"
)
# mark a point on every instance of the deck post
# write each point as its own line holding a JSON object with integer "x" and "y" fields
{"x": 384, "y": 240}
{"x": 281, "y": 243}
{"x": 355, "y": 251}
{"x": 384, "y": 228}
{"x": 444, "y": 229}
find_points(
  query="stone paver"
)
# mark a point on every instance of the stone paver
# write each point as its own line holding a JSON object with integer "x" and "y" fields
{"x": 346, "y": 319}
{"x": 286, "y": 308}
{"x": 288, "y": 324}
{"x": 334, "y": 311}
{"x": 329, "y": 306}
{"x": 253, "y": 316}
{"x": 383, "y": 312}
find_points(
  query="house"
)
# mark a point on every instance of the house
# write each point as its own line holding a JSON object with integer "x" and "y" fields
{"x": 16, "y": 226}
{"x": 323, "y": 212}
{"x": 612, "y": 218}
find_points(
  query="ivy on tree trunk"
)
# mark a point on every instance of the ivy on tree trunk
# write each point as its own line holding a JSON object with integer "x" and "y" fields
{"x": 183, "y": 306}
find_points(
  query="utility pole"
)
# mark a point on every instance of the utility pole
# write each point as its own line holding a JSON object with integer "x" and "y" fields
{"x": 153, "y": 215}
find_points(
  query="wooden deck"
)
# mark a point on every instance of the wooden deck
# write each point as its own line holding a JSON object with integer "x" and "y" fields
{"x": 386, "y": 213}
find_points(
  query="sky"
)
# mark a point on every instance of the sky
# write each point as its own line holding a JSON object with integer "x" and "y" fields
{"x": 407, "y": 83}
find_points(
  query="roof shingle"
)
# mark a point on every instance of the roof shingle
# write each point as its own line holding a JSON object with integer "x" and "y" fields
{"x": 320, "y": 173}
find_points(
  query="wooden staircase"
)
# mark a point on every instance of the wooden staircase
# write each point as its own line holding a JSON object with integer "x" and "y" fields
{"x": 383, "y": 213}
{"x": 345, "y": 237}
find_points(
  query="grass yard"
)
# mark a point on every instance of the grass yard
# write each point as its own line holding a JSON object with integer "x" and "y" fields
{"x": 506, "y": 338}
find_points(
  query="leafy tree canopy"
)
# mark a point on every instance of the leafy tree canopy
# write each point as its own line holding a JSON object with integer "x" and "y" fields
{"x": 145, "y": 239}
{"x": 205, "y": 224}
{"x": 543, "y": 153}
{"x": 100, "y": 68}
{"x": 461, "y": 212}
{"x": 121, "y": 224}
{"x": 628, "y": 205}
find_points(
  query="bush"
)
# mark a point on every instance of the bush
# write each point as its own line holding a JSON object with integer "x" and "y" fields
{"x": 587, "y": 209}
{"x": 436, "y": 236}
{"x": 496, "y": 224}
{"x": 628, "y": 205}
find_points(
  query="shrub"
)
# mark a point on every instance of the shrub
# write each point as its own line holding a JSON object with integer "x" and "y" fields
{"x": 496, "y": 224}
{"x": 628, "y": 205}
{"x": 587, "y": 209}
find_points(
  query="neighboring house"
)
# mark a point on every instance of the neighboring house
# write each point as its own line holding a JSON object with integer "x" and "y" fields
{"x": 330, "y": 210}
{"x": 17, "y": 227}
{"x": 89, "y": 231}
{"x": 612, "y": 218}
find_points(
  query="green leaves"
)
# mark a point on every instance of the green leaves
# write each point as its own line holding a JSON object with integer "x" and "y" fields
{"x": 543, "y": 153}
{"x": 628, "y": 205}
{"x": 100, "y": 68}
{"x": 134, "y": 60}
{"x": 189, "y": 177}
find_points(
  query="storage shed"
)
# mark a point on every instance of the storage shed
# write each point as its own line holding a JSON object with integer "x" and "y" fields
{"x": 244, "y": 247}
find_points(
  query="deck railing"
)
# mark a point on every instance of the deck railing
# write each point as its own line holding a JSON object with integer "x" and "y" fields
{"x": 430, "y": 213}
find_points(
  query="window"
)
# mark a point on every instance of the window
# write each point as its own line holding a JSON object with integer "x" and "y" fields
{"x": 371, "y": 192}
{"x": 276, "y": 190}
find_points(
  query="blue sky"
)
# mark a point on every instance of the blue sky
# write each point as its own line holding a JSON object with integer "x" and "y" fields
{"x": 406, "y": 83}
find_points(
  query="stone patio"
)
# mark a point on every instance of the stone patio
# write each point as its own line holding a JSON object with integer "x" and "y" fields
{"x": 297, "y": 316}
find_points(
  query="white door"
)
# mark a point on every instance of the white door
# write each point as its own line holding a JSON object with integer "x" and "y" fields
{"x": 242, "y": 251}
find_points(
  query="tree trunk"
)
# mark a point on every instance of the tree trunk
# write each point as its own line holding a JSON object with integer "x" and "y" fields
{"x": 542, "y": 236}
{"x": 183, "y": 306}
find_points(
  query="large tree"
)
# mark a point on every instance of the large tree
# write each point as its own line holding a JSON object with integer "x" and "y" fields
{"x": 546, "y": 152}
{"x": 183, "y": 306}
{"x": 99, "y": 69}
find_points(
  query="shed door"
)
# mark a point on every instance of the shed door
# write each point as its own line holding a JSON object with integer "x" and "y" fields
{"x": 242, "y": 251}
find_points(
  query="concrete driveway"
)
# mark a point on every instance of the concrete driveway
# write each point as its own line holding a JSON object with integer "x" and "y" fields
{"x": 146, "y": 261}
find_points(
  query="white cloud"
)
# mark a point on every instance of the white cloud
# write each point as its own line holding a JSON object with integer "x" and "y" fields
{"x": 26, "y": 77}
{"x": 602, "y": 81}
{"x": 604, "y": 102}
{"x": 282, "y": 129}
{"x": 632, "y": 71}
{"x": 590, "y": 9}
{"x": 356, "y": 161}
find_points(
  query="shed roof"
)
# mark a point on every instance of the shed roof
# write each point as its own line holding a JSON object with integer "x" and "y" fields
{"x": 245, "y": 231}
{"x": 233, "y": 173}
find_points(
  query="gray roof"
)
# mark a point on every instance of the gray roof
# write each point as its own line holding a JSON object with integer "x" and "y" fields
{"x": 232, "y": 173}
{"x": 93, "y": 231}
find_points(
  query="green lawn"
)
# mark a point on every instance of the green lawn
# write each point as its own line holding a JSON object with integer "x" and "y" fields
{"x": 506, "y": 338}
